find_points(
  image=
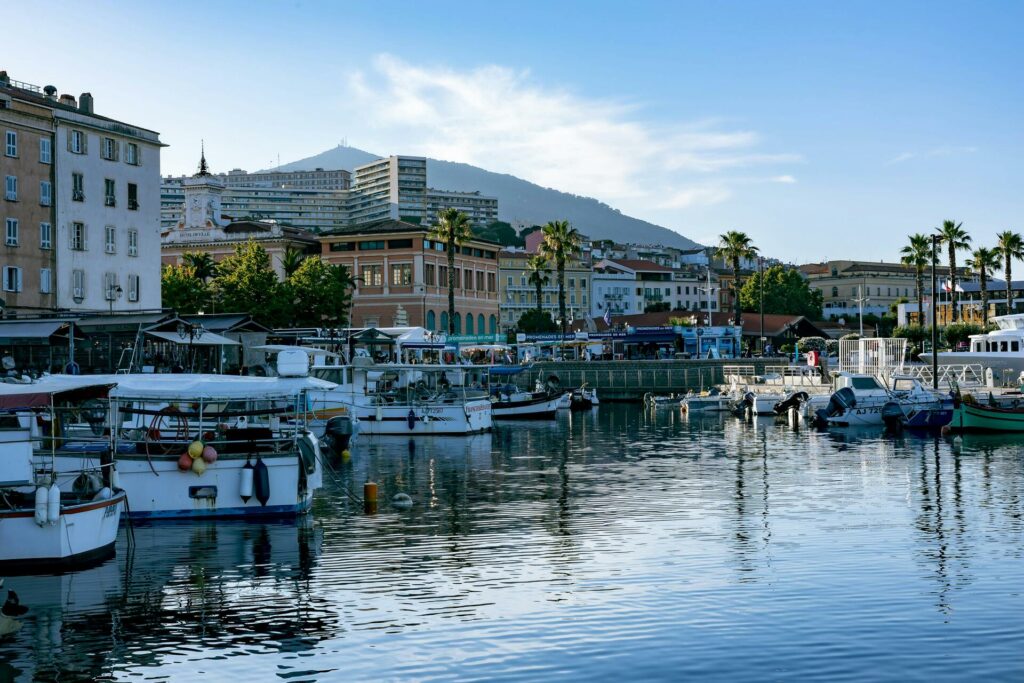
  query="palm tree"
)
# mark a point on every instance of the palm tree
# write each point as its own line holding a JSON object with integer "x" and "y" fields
{"x": 539, "y": 275}
{"x": 202, "y": 264}
{"x": 981, "y": 263}
{"x": 291, "y": 260}
{"x": 733, "y": 247}
{"x": 917, "y": 254}
{"x": 1009, "y": 246}
{"x": 452, "y": 228}
{"x": 561, "y": 242}
{"x": 955, "y": 238}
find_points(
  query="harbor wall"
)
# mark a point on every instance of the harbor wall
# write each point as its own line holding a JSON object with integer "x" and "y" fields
{"x": 630, "y": 380}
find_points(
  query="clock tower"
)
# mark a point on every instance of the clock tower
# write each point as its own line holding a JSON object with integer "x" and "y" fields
{"x": 202, "y": 200}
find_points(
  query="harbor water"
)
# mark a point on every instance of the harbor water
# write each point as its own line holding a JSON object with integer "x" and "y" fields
{"x": 615, "y": 544}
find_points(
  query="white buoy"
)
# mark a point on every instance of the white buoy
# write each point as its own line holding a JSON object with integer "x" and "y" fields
{"x": 794, "y": 416}
{"x": 245, "y": 483}
{"x": 103, "y": 494}
{"x": 958, "y": 443}
{"x": 42, "y": 496}
{"x": 380, "y": 414}
{"x": 53, "y": 504}
{"x": 115, "y": 478}
{"x": 401, "y": 501}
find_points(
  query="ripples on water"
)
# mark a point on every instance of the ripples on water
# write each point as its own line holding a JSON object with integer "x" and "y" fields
{"x": 618, "y": 544}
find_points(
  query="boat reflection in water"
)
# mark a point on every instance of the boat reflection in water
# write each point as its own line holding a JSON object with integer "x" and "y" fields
{"x": 181, "y": 587}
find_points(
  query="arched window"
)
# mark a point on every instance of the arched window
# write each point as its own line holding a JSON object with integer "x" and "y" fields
{"x": 480, "y": 324}
{"x": 493, "y": 327}
{"x": 458, "y": 323}
{"x": 469, "y": 323}
{"x": 444, "y": 321}
{"x": 835, "y": 291}
{"x": 431, "y": 321}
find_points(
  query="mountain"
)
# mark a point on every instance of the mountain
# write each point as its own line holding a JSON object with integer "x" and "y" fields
{"x": 518, "y": 200}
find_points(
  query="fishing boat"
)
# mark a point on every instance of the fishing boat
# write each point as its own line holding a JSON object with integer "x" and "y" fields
{"x": 970, "y": 416}
{"x": 48, "y": 519}
{"x": 711, "y": 401}
{"x": 863, "y": 400}
{"x": 583, "y": 398}
{"x": 509, "y": 403}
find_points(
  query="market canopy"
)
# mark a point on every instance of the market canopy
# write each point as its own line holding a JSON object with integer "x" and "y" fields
{"x": 207, "y": 339}
{"x": 15, "y": 332}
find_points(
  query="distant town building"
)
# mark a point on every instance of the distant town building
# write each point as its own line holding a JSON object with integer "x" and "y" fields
{"x": 627, "y": 286}
{"x": 98, "y": 181}
{"x": 519, "y": 296}
{"x": 402, "y": 277}
{"x": 879, "y": 284}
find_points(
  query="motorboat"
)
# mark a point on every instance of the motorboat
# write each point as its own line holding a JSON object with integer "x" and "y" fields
{"x": 1001, "y": 350}
{"x": 583, "y": 398}
{"x": 510, "y": 403}
{"x": 659, "y": 401}
{"x": 711, "y": 401}
{"x": 51, "y": 520}
{"x": 860, "y": 400}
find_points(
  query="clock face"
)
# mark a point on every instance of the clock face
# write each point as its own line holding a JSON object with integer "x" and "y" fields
{"x": 195, "y": 203}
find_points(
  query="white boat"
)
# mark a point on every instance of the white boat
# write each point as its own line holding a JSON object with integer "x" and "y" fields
{"x": 713, "y": 401}
{"x": 255, "y": 457}
{"x": 400, "y": 400}
{"x": 861, "y": 400}
{"x": 524, "y": 405}
{"x": 47, "y": 522}
{"x": 1001, "y": 350}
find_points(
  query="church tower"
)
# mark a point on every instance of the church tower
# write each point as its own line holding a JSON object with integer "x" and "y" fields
{"x": 203, "y": 193}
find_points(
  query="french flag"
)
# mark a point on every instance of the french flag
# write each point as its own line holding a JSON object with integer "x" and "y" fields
{"x": 947, "y": 287}
{"x": 607, "y": 317}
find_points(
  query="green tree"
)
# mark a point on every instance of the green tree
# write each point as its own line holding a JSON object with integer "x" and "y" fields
{"x": 501, "y": 232}
{"x": 181, "y": 290}
{"x": 320, "y": 294}
{"x": 1010, "y": 247}
{"x": 453, "y": 229}
{"x": 536, "y": 321}
{"x": 291, "y": 260}
{"x": 202, "y": 264}
{"x": 785, "y": 292}
{"x": 539, "y": 274}
{"x": 981, "y": 263}
{"x": 956, "y": 239}
{"x": 561, "y": 243}
{"x": 246, "y": 282}
{"x": 917, "y": 254}
{"x": 734, "y": 247}
{"x": 960, "y": 332}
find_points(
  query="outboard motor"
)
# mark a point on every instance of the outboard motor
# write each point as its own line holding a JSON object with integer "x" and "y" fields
{"x": 794, "y": 399}
{"x": 892, "y": 417}
{"x": 739, "y": 409}
{"x": 841, "y": 401}
{"x": 338, "y": 433}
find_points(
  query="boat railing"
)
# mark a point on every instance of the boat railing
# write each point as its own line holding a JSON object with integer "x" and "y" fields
{"x": 782, "y": 377}
{"x": 952, "y": 374}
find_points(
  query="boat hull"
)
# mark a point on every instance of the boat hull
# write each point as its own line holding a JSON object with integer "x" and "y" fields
{"x": 84, "y": 534}
{"x": 535, "y": 408}
{"x": 973, "y": 418}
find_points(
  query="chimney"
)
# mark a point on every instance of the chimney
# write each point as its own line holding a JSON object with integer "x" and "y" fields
{"x": 4, "y": 78}
{"x": 68, "y": 100}
{"x": 85, "y": 103}
{"x": 51, "y": 93}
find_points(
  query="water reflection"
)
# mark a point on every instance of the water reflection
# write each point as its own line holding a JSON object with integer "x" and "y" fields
{"x": 617, "y": 543}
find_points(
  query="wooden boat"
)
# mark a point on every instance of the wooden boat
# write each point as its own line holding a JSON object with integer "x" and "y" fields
{"x": 970, "y": 416}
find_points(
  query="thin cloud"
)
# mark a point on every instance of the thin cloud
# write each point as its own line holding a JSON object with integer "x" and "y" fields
{"x": 501, "y": 119}
{"x": 945, "y": 151}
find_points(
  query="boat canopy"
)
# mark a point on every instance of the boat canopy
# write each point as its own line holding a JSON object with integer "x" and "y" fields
{"x": 310, "y": 350}
{"x": 181, "y": 387}
{"x": 14, "y": 397}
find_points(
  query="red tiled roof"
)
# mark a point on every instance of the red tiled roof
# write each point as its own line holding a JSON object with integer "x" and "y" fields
{"x": 637, "y": 264}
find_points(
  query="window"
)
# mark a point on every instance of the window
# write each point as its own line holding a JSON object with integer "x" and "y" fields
{"x": 373, "y": 276}
{"x": 109, "y": 193}
{"x": 11, "y": 148}
{"x": 492, "y": 282}
{"x": 835, "y": 291}
{"x": 133, "y": 197}
{"x": 480, "y": 323}
{"x": 110, "y": 286}
{"x": 431, "y": 320}
{"x": 78, "y": 187}
{"x": 45, "y": 193}
{"x": 44, "y": 280}
{"x": 335, "y": 246}
{"x": 78, "y": 285}
{"x": 442, "y": 278}
{"x": 522, "y": 281}
{"x": 444, "y": 321}
{"x": 78, "y": 237}
{"x": 131, "y": 154}
{"x": 133, "y": 287}
{"x": 572, "y": 283}
{"x": 133, "y": 242}
{"x": 429, "y": 273}
{"x": 479, "y": 281}
{"x": 469, "y": 323}
{"x": 45, "y": 236}
{"x": 401, "y": 274}
{"x": 76, "y": 142}
{"x": 12, "y": 232}
{"x": 12, "y": 279}
{"x": 509, "y": 280}
{"x": 45, "y": 151}
{"x": 583, "y": 284}
{"x": 110, "y": 240}
{"x": 468, "y": 281}
{"x": 11, "y": 188}
{"x": 399, "y": 244}
{"x": 110, "y": 149}
{"x": 572, "y": 299}
{"x": 371, "y": 245}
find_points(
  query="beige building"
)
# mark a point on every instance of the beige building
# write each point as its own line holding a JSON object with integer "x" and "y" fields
{"x": 519, "y": 296}
{"x": 403, "y": 277}
{"x": 880, "y": 284}
{"x": 27, "y": 266}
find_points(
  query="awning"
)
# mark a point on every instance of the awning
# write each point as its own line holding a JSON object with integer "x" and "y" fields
{"x": 36, "y": 329}
{"x": 649, "y": 338}
{"x": 14, "y": 397}
{"x": 208, "y": 339}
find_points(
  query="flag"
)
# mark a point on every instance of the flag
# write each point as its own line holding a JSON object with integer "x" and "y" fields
{"x": 947, "y": 287}
{"x": 608, "y": 317}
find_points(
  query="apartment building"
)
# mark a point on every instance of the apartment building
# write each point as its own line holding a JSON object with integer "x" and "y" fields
{"x": 105, "y": 190}
{"x": 628, "y": 286}
{"x": 317, "y": 179}
{"x": 482, "y": 210}
{"x": 402, "y": 277}
{"x": 393, "y": 188}
{"x": 27, "y": 206}
{"x": 517, "y": 295}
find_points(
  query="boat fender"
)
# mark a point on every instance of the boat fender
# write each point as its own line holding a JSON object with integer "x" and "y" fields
{"x": 245, "y": 482}
{"x": 53, "y": 504}
{"x": 103, "y": 494}
{"x": 195, "y": 449}
{"x": 380, "y": 413}
{"x": 401, "y": 501}
{"x": 198, "y": 466}
{"x": 42, "y": 496}
{"x": 185, "y": 462}
{"x": 261, "y": 481}
{"x": 410, "y": 419}
{"x": 115, "y": 479}
{"x": 210, "y": 455}
{"x": 307, "y": 455}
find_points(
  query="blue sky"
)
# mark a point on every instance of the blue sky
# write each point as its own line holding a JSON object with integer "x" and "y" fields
{"x": 824, "y": 130}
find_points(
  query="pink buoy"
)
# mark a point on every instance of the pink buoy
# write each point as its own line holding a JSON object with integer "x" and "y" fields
{"x": 210, "y": 455}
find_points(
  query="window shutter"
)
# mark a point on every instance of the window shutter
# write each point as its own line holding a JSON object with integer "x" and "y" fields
{"x": 117, "y": 150}
{"x": 85, "y": 143}
{"x": 85, "y": 237}
{"x": 69, "y": 139}
{"x": 17, "y": 273}
{"x": 138, "y": 155}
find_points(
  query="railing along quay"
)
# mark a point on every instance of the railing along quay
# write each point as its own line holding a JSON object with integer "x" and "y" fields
{"x": 630, "y": 380}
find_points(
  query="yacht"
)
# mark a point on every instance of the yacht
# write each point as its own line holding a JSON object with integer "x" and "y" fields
{"x": 1001, "y": 349}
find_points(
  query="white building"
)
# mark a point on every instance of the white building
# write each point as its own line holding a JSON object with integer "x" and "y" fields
{"x": 108, "y": 211}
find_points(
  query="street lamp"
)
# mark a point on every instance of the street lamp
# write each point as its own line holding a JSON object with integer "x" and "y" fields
{"x": 114, "y": 293}
{"x": 190, "y": 331}
{"x": 760, "y": 277}
{"x": 935, "y": 332}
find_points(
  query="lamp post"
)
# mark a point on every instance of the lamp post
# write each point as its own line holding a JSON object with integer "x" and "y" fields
{"x": 114, "y": 293}
{"x": 760, "y": 277}
{"x": 190, "y": 331}
{"x": 935, "y": 332}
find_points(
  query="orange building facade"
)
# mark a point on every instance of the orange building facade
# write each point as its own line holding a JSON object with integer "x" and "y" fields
{"x": 402, "y": 278}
